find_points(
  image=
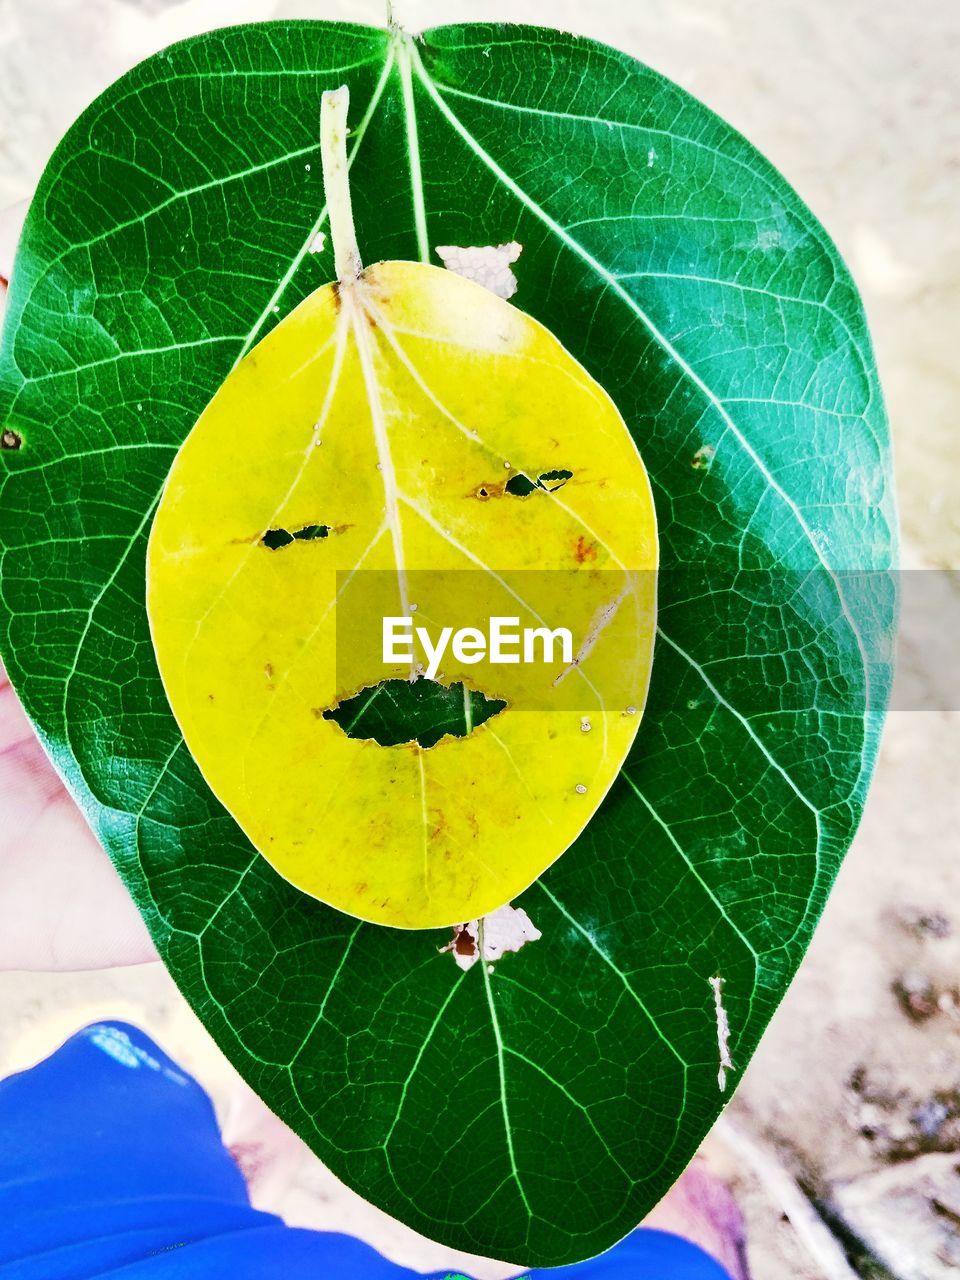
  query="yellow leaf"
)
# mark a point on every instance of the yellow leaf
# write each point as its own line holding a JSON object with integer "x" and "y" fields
{"x": 404, "y": 443}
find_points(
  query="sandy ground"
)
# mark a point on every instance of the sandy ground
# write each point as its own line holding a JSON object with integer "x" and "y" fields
{"x": 855, "y": 1091}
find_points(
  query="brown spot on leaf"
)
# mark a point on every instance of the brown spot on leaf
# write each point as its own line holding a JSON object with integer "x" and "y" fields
{"x": 441, "y": 825}
{"x": 11, "y": 439}
{"x": 584, "y": 550}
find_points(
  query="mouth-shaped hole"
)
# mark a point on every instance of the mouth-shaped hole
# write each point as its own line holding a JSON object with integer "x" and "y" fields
{"x": 521, "y": 486}
{"x": 421, "y": 711}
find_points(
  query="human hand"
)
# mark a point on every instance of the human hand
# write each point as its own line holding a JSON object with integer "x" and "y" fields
{"x": 62, "y": 904}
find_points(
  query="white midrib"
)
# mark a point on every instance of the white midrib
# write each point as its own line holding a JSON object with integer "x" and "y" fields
{"x": 350, "y": 297}
{"x": 413, "y": 149}
{"x": 502, "y": 1073}
{"x": 424, "y": 821}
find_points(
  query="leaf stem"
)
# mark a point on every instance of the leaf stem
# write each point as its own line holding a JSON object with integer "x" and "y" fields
{"x": 336, "y": 182}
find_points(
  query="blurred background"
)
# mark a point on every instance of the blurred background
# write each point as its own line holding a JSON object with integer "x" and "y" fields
{"x": 842, "y": 1145}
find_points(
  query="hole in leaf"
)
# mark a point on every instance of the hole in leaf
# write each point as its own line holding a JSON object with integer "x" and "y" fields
{"x": 422, "y": 711}
{"x": 703, "y": 458}
{"x": 487, "y": 264}
{"x": 554, "y": 479}
{"x": 508, "y": 928}
{"x": 464, "y": 943}
{"x": 521, "y": 486}
{"x": 274, "y": 539}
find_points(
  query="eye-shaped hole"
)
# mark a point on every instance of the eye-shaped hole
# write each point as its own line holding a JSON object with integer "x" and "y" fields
{"x": 276, "y": 539}
{"x": 521, "y": 486}
{"x": 423, "y": 711}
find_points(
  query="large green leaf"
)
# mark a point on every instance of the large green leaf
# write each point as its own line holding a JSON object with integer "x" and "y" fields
{"x": 535, "y": 1112}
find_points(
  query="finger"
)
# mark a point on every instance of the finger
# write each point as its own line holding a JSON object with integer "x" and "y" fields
{"x": 62, "y": 904}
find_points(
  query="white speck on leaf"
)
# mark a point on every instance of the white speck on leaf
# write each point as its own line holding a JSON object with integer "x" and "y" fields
{"x": 581, "y": 789}
{"x": 651, "y": 158}
{"x": 488, "y": 264}
{"x": 723, "y": 1032}
{"x": 318, "y": 243}
{"x": 506, "y": 929}
{"x": 768, "y": 239}
{"x": 703, "y": 458}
